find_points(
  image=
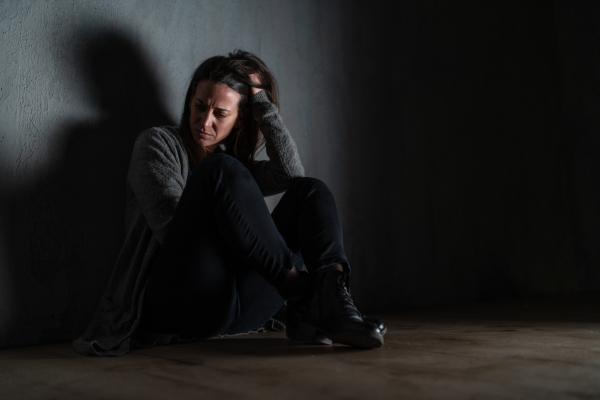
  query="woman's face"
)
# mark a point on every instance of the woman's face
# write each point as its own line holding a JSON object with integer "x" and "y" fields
{"x": 214, "y": 111}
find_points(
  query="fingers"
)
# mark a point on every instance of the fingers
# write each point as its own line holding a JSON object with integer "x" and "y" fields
{"x": 256, "y": 80}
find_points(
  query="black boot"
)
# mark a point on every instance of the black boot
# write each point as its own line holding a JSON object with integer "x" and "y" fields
{"x": 378, "y": 323}
{"x": 297, "y": 294}
{"x": 330, "y": 313}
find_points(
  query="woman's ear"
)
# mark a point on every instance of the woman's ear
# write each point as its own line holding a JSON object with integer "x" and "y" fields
{"x": 242, "y": 118}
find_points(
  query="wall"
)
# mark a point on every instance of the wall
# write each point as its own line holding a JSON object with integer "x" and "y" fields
{"x": 450, "y": 134}
{"x": 578, "y": 35}
{"x": 457, "y": 175}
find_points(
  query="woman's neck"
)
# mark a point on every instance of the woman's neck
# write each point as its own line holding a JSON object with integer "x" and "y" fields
{"x": 208, "y": 150}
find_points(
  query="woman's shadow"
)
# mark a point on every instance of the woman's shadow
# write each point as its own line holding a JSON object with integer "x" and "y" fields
{"x": 67, "y": 226}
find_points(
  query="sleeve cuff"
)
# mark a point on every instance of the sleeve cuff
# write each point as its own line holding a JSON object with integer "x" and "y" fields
{"x": 259, "y": 97}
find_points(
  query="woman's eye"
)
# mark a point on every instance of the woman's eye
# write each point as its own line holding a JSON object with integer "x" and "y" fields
{"x": 220, "y": 115}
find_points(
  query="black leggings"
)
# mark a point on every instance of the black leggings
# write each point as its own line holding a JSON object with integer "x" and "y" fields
{"x": 223, "y": 252}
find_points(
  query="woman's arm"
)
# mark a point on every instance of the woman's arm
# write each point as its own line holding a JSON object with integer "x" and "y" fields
{"x": 156, "y": 177}
{"x": 273, "y": 176}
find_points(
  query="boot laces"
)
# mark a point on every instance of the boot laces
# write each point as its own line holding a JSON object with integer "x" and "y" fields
{"x": 347, "y": 306}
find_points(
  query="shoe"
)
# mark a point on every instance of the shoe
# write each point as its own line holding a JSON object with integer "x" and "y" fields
{"x": 297, "y": 294}
{"x": 329, "y": 315}
{"x": 291, "y": 318}
{"x": 378, "y": 323}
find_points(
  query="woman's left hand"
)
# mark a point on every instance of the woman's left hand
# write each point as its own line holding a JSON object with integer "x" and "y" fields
{"x": 255, "y": 79}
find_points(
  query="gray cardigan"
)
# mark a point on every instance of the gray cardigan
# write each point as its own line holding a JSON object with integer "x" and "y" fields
{"x": 157, "y": 175}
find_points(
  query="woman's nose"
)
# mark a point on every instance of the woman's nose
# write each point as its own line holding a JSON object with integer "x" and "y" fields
{"x": 206, "y": 120}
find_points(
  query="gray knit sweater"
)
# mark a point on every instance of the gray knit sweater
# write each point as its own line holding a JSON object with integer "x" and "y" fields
{"x": 157, "y": 175}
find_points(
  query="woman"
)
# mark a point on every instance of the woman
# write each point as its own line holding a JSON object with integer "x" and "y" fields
{"x": 202, "y": 256}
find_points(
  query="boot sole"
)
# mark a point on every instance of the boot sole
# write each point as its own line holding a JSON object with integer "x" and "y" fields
{"x": 367, "y": 340}
{"x": 308, "y": 333}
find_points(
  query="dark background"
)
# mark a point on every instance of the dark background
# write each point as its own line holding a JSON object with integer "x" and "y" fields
{"x": 460, "y": 140}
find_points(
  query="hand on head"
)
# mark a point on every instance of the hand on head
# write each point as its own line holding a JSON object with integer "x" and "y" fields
{"x": 255, "y": 79}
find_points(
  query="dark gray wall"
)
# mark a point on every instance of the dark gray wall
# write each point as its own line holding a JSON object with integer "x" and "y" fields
{"x": 454, "y": 135}
{"x": 455, "y": 162}
{"x": 578, "y": 33}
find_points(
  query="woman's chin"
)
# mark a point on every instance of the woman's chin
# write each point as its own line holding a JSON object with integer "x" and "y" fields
{"x": 203, "y": 143}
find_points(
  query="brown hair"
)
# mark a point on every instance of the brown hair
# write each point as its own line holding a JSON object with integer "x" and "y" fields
{"x": 233, "y": 71}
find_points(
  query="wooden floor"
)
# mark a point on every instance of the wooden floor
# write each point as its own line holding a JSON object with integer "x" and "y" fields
{"x": 543, "y": 349}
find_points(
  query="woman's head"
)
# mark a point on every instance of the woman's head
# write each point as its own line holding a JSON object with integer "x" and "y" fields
{"x": 216, "y": 108}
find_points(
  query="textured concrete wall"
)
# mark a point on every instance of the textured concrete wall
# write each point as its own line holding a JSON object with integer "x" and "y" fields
{"x": 439, "y": 126}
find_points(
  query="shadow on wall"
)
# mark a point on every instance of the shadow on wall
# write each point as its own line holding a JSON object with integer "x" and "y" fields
{"x": 66, "y": 227}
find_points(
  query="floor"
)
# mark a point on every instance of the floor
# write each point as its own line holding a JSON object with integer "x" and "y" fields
{"x": 547, "y": 348}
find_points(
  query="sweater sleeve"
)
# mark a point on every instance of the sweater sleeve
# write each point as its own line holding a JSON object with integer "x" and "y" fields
{"x": 273, "y": 176}
{"x": 156, "y": 178}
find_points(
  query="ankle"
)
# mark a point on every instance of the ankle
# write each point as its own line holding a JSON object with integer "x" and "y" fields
{"x": 292, "y": 275}
{"x": 333, "y": 267}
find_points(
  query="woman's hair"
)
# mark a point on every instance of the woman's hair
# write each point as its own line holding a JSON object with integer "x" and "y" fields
{"x": 233, "y": 71}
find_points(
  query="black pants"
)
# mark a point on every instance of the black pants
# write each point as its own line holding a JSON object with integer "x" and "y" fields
{"x": 223, "y": 252}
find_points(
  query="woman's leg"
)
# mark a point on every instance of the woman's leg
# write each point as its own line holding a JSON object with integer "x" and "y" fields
{"x": 221, "y": 252}
{"x": 319, "y": 307}
{"x": 307, "y": 218}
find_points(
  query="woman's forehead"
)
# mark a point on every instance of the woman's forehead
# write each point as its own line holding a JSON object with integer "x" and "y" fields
{"x": 217, "y": 95}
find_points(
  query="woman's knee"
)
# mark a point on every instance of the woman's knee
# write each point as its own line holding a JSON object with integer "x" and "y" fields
{"x": 222, "y": 166}
{"x": 309, "y": 185}
{"x": 219, "y": 161}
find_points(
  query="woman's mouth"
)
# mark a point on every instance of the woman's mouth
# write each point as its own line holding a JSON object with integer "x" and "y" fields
{"x": 203, "y": 135}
